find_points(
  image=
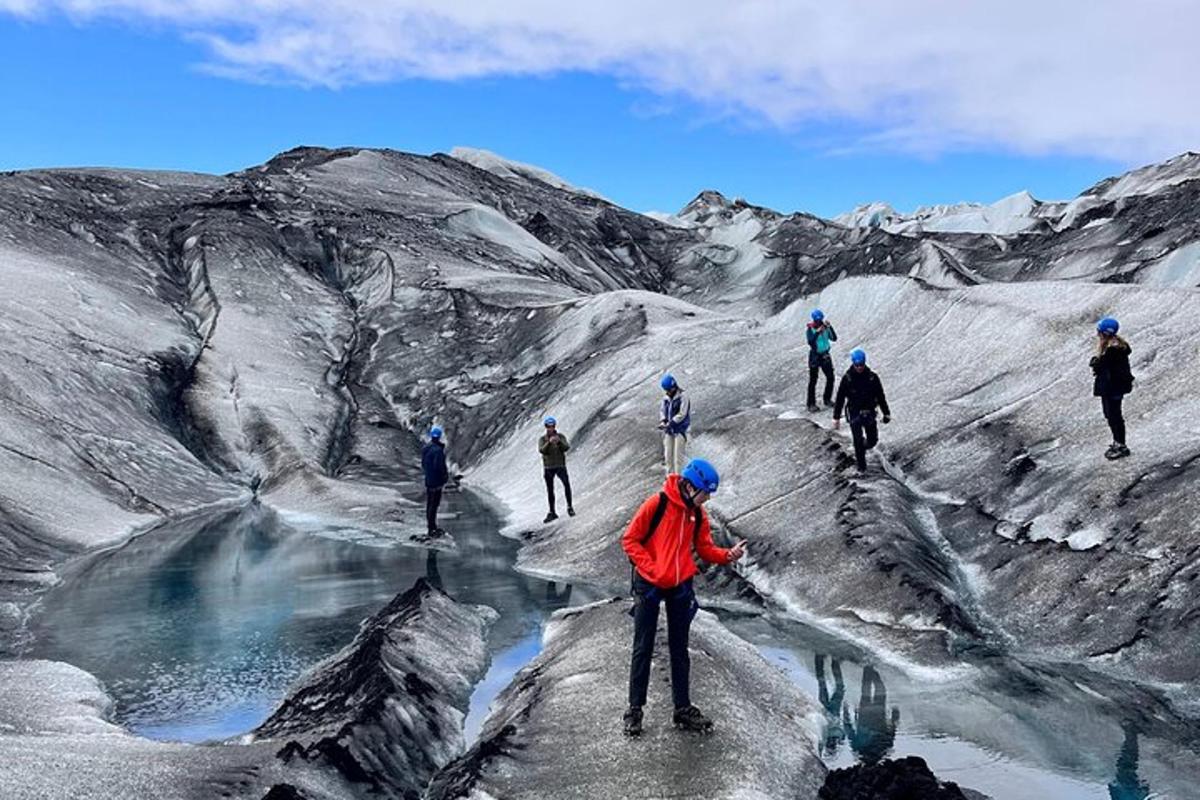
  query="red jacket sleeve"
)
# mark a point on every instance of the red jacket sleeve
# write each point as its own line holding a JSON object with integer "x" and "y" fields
{"x": 631, "y": 542}
{"x": 705, "y": 547}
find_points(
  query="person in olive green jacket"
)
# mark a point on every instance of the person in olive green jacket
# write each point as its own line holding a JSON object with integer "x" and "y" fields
{"x": 554, "y": 446}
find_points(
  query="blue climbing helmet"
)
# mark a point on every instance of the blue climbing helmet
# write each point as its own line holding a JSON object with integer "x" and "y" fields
{"x": 702, "y": 475}
{"x": 818, "y": 315}
{"x": 858, "y": 356}
{"x": 548, "y": 421}
{"x": 436, "y": 432}
{"x": 1108, "y": 326}
{"x": 668, "y": 382}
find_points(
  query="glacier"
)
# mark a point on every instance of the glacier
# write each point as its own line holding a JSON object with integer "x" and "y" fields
{"x": 177, "y": 345}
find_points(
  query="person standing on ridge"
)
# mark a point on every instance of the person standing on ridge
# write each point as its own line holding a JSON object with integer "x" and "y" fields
{"x": 821, "y": 335}
{"x": 860, "y": 393}
{"x": 659, "y": 542}
{"x": 433, "y": 463}
{"x": 1113, "y": 381}
{"x": 675, "y": 417}
{"x": 554, "y": 446}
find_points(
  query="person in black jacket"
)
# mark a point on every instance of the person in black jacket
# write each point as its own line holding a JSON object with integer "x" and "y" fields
{"x": 1113, "y": 381}
{"x": 433, "y": 462}
{"x": 860, "y": 393}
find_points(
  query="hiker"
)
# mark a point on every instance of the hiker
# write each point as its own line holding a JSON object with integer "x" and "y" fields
{"x": 433, "y": 462}
{"x": 860, "y": 392}
{"x": 820, "y": 334}
{"x": 554, "y": 446}
{"x": 659, "y": 543}
{"x": 1113, "y": 381}
{"x": 675, "y": 418}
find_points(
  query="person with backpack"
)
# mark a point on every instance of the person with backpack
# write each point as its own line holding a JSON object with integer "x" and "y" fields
{"x": 860, "y": 393}
{"x": 1113, "y": 381}
{"x": 675, "y": 417}
{"x": 820, "y": 335}
{"x": 554, "y": 446}
{"x": 433, "y": 464}
{"x": 660, "y": 540}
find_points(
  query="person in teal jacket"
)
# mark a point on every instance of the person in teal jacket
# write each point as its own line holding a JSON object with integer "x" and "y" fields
{"x": 820, "y": 335}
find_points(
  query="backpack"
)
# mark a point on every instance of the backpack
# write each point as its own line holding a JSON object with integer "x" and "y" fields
{"x": 655, "y": 519}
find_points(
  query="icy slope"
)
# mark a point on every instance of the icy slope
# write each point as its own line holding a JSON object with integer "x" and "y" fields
{"x": 556, "y": 730}
{"x": 998, "y": 521}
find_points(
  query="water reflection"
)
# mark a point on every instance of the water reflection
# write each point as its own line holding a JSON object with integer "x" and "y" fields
{"x": 835, "y": 733}
{"x": 1127, "y": 786}
{"x": 872, "y": 735}
{"x": 198, "y": 630}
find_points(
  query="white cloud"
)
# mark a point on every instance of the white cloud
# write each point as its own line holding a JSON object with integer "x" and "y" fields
{"x": 1098, "y": 77}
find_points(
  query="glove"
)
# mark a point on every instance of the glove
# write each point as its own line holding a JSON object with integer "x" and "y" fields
{"x": 886, "y": 419}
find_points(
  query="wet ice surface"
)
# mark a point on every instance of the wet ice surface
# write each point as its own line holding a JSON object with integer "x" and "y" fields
{"x": 197, "y": 634}
{"x": 1010, "y": 745}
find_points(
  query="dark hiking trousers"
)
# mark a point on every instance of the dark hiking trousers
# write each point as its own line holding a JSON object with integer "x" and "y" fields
{"x": 1112, "y": 412}
{"x": 865, "y": 431}
{"x": 561, "y": 473}
{"x": 681, "y": 607}
{"x": 825, "y": 364}
{"x": 433, "y": 499}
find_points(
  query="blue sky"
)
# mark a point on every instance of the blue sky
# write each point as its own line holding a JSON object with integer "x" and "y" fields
{"x": 146, "y": 92}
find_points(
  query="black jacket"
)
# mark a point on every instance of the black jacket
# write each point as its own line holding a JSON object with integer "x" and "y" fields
{"x": 433, "y": 462}
{"x": 1113, "y": 376}
{"x": 860, "y": 391}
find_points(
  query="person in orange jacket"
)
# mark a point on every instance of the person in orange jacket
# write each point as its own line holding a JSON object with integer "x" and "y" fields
{"x": 659, "y": 543}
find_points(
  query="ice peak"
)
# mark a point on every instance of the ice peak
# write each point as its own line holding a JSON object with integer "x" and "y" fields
{"x": 507, "y": 168}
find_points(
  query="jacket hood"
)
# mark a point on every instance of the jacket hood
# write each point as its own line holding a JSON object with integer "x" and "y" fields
{"x": 1118, "y": 343}
{"x": 671, "y": 490}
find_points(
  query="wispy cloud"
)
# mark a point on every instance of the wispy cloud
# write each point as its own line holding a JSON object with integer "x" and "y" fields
{"x": 1095, "y": 77}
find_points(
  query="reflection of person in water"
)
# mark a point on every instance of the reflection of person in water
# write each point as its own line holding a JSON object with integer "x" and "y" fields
{"x": 832, "y": 703}
{"x": 872, "y": 734}
{"x": 1127, "y": 786}
{"x": 556, "y": 599}
{"x": 432, "y": 574}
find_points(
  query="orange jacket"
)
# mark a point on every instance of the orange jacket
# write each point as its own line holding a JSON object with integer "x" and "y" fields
{"x": 665, "y": 559}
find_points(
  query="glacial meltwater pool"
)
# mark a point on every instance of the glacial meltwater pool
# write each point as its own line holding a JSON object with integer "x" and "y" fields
{"x": 198, "y": 630}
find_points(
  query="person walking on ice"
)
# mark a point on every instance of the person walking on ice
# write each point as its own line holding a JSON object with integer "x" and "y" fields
{"x": 1113, "y": 381}
{"x": 659, "y": 543}
{"x": 554, "y": 446}
{"x": 433, "y": 464}
{"x": 860, "y": 393}
{"x": 820, "y": 335}
{"x": 675, "y": 417}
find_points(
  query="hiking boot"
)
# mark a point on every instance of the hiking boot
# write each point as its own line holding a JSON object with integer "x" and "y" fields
{"x": 1116, "y": 451}
{"x": 550, "y": 517}
{"x": 633, "y": 721}
{"x": 813, "y": 408}
{"x": 570, "y": 511}
{"x": 690, "y": 718}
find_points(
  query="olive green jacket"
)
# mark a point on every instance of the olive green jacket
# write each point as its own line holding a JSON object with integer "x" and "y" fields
{"x": 554, "y": 454}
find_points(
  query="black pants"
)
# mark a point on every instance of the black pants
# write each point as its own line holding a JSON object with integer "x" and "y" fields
{"x": 1112, "y": 412}
{"x": 433, "y": 499}
{"x": 681, "y": 607}
{"x": 866, "y": 435}
{"x": 824, "y": 365}
{"x": 550, "y": 474}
